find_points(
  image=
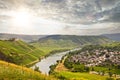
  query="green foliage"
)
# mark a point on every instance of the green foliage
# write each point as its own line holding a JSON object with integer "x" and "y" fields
{"x": 76, "y": 67}
{"x": 68, "y": 64}
{"x": 52, "y": 67}
{"x": 115, "y": 46}
{"x": 110, "y": 74}
{"x": 110, "y": 79}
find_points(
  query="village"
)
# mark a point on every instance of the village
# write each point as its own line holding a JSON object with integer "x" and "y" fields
{"x": 97, "y": 58}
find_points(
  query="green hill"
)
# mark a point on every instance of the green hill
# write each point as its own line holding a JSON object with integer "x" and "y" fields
{"x": 58, "y": 42}
{"x": 18, "y": 52}
{"x": 70, "y": 40}
{"x": 10, "y": 71}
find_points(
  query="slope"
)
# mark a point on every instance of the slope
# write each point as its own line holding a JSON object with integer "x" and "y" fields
{"x": 10, "y": 71}
{"x": 70, "y": 40}
{"x": 18, "y": 52}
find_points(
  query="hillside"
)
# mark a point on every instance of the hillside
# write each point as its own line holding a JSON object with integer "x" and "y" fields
{"x": 27, "y": 38}
{"x": 71, "y": 40}
{"x": 10, "y": 71}
{"x": 18, "y": 52}
{"x": 115, "y": 37}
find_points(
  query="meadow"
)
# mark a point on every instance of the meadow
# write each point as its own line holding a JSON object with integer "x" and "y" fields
{"x": 66, "y": 75}
{"x": 10, "y": 71}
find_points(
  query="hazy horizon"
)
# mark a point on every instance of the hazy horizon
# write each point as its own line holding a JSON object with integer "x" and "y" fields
{"x": 60, "y": 17}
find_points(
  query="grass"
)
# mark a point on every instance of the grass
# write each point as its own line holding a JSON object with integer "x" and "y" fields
{"x": 79, "y": 76}
{"x": 116, "y": 71}
{"x": 10, "y": 71}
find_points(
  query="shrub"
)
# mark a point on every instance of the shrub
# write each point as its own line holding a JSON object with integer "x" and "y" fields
{"x": 110, "y": 79}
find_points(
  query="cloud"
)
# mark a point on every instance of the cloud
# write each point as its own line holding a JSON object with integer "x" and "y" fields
{"x": 73, "y": 16}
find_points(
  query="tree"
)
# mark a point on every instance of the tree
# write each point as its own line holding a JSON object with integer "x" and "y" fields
{"x": 37, "y": 69}
{"x": 110, "y": 79}
{"x": 92, "y": 69}
{"x": 103, "y": 73}
{"x": 87, "y": 69}
{"x": 110, "y": 74}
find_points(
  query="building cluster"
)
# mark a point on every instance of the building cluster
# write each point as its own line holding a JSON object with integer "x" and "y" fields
{"x": 97, "y": 57}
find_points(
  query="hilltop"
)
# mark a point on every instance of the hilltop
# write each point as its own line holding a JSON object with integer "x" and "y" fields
{"x": 26, "y": 38}
{"x": 71, "y": 40}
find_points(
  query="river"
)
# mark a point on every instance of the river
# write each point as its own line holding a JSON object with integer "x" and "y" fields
{"x": 45, "y": 63}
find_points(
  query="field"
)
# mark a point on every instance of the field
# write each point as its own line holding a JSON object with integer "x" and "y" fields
{"x": 117, "y": 71}
{"x": 78, "y": 76}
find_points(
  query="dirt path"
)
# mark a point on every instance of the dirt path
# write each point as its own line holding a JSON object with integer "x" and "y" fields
{"x": 60, "y": 66}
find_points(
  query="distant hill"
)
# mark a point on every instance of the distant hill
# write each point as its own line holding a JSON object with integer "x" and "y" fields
{"x": 115, "y": 37}
{"x": 27, "y": 38}
{"x": 71, "y": 40}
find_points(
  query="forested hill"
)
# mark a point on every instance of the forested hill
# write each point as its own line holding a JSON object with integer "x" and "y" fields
{"x": 69, "y": 40}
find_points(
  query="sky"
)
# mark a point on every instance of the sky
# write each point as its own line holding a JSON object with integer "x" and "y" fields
{"x": 66, "y": 17}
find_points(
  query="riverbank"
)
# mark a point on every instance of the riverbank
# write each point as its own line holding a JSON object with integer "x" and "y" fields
{"x": 47, "y": 55}
{"x": 60, "y": 66}
{"x": 44, "y": 64}
{"x": 61, "y": 72}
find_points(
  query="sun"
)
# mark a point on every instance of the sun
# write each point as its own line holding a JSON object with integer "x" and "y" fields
{"x": 21, "y": 18}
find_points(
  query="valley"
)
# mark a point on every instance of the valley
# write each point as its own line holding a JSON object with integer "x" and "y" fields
{"x": 59, "y": 39}
{"x": 96, "y": 53}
